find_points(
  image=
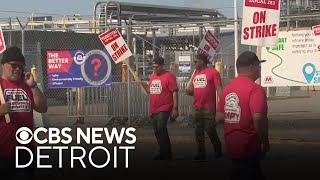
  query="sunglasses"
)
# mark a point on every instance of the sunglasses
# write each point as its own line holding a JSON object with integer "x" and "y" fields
{"x": 17, "y": 66}
{"x": 259, "y": 65}
{"x": 256, "y": 65}
{"x": 196, "y": 61}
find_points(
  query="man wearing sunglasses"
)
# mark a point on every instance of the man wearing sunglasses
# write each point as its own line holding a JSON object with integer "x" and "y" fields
{"x": 243, "y": 110}
{"x": 206, "y": 81}
{"x": 22, "y": 96}
{"x": 163, "y": 92}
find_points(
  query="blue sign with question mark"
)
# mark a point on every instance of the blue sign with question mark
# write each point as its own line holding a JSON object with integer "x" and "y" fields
{"x": 79, "y": 68}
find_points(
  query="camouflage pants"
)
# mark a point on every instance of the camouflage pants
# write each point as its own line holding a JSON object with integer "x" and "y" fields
{"x": 204, "y": 120}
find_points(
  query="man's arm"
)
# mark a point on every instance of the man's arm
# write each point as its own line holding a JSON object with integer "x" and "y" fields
{"x": 175, "y": 99}
{"x": 4, "y": 109}
{"x": 40, "y": 100}
{"x": 220, "y": 111}
{"x": 217, "y": 84}
{"x": 219, "y": 91}
{"x": 259, "y": 109}
{"x": 260, "y": 121}
{"x": 219, "y": 117}
{"x": 144, "y": 87}
{"x": 189, "y": 90}
{"x": 175, "y": 109}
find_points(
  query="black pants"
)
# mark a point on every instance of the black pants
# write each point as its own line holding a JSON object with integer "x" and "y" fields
{"x": 247, "y": 169}
{"x": 9, "y": 171}
{"x": 160, "y": 121}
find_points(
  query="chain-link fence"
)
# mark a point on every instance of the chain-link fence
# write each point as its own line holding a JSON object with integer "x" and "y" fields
{"x": 174, "y": 42}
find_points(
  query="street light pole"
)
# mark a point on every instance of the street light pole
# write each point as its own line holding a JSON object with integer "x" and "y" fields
{"x": 235, "y": 35}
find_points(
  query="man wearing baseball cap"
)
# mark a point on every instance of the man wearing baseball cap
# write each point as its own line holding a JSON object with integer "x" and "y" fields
{"x": 21, "y": 96}
{"x": 243, "y": 110}
{"x": 205, "y": 84}
{"x": 163, "y": 92}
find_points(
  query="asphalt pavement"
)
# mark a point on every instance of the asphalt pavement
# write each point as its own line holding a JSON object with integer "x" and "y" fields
{"x": 294, "y": 131}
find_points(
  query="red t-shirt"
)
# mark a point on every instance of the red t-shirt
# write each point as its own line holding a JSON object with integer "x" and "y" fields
{"x": 204, "y": 88}
{"x": 240, "y": 99}
{"x": 21, "y": 115}
{"x": 161, "y": 88}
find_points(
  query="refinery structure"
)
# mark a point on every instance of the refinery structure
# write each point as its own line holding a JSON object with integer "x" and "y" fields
{"x": 112, "y": 14}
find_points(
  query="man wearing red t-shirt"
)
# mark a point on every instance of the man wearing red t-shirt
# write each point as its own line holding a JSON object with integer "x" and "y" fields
{"x": 163, "y": 92}
{"x": 21, "y": 96}
{"x": 243, "y": 109}
{"x": 206, "y": 82}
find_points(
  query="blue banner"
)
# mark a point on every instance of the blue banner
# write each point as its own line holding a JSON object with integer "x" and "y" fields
{"x": 78, "y": 68}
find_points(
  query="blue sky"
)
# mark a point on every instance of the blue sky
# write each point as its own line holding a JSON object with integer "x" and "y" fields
{"x": 85, "y": 7}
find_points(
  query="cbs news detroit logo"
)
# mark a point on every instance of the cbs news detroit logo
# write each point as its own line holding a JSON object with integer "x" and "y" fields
{"x": 61, "y": 140}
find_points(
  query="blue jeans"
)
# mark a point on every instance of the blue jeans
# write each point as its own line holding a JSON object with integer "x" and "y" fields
{"x": 160, "y": 121}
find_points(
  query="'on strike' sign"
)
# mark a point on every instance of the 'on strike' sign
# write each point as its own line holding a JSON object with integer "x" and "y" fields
{"x": 208, "y": 45}
{"x": 260, "y": 23}
{"x": 2, "y": 42}
{"x": 115, "y": 45}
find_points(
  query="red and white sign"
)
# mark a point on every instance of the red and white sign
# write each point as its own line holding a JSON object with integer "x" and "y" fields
{"x": 316, "y": 30}
{"x": 260, "y": 22}
{"x": 2, "y": 42}
{"x": 115, "y": 45}
{"x": 59, "y": 61}
{"x": 208, "y": 45}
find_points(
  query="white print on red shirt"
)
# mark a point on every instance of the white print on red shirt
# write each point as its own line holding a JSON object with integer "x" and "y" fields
{"x": 18, "y": 100}
{"x": 155, "y": 87}
{"x": 232, "y": 109}
{"x": 200, "y": 81}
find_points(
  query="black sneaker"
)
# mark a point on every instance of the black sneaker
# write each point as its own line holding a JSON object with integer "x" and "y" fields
{"x": 200, "y": 157}
{"x": 172, "y": 120}
{"x": 78, "y": 122}
{"x": 163, "y": 157}
{"x": 217, "y": 155}
{"x": 217, "y": 151}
